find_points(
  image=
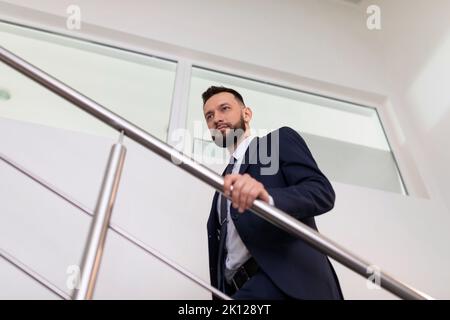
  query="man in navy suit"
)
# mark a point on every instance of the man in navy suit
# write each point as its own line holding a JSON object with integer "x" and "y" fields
{"x": 249, "y": 257}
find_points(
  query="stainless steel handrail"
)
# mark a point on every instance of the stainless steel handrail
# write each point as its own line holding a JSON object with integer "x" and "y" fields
{"x": 265, "y": 211}
{"x": 114, "y": 227}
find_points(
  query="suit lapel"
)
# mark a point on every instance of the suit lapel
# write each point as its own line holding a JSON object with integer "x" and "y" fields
{"x": 213, "y": 220}
{"x": 250, "y": 156}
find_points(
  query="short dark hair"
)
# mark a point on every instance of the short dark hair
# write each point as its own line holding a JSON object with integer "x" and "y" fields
{"x": 213, "y": 90}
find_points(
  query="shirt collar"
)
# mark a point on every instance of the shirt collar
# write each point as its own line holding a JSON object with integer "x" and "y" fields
{"x": 242, "y": 147}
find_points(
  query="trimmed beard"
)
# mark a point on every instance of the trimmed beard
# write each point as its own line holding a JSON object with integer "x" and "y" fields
{"x": 232, "y": 137}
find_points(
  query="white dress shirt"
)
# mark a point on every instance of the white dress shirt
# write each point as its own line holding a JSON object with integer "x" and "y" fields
{"x": 237, "y": 253}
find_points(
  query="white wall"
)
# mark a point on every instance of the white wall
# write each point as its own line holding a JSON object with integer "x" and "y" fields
{"x": 321, "y": 40}
{"x": 416, "y": 40}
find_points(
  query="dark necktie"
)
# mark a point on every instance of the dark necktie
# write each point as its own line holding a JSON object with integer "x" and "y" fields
{"x": 223, "y": 232}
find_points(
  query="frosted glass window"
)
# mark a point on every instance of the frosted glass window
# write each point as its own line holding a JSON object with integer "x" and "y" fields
{"x": 347, "y": 140}
{"x": 135, "y": 86}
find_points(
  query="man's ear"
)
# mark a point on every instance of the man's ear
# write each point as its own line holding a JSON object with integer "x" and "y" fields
{"x": 248, "y": 113}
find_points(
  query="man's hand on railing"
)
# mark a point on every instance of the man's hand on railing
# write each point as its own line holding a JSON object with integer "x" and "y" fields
{"x": 244, "y": 190}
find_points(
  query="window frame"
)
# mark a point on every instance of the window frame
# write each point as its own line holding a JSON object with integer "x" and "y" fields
{"x": 186, "y": 59}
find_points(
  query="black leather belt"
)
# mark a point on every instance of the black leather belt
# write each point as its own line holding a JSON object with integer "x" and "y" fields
{"x": 244, "y": 273}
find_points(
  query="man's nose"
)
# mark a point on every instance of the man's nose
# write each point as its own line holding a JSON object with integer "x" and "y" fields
{"x": 218, "y": 120}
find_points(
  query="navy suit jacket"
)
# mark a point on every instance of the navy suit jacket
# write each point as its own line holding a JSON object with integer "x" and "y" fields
{"x": 298, "y": 188}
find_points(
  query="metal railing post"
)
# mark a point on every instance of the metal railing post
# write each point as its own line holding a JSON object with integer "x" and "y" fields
{"x": 99, "y": 226}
